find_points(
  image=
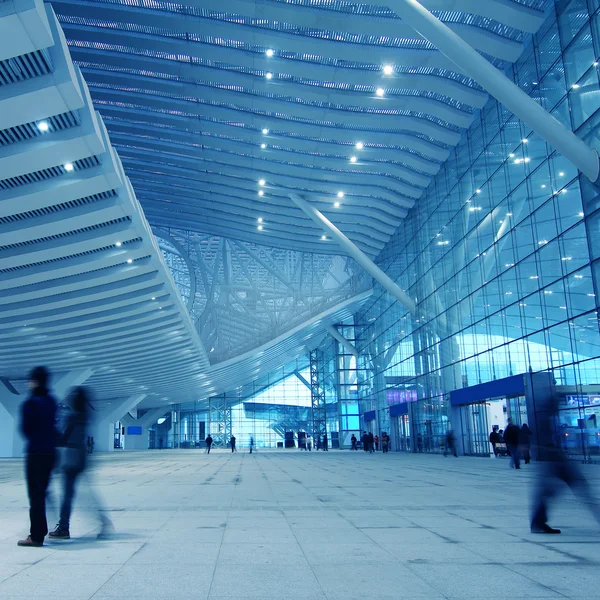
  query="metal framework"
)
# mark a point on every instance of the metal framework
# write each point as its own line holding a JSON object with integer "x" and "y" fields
{"x": 317, "y": 391}
{"x": 219, "y": 420}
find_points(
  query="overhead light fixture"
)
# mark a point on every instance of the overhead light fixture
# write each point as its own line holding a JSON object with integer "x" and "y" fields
{"x": 269, "y": 52}
{"x": 153, "y": 297}
{"x": 261, "y": 193}
{"x": 353, "y": 159}
{"x": 336, "y": 204}
{"x": 359, "y": 145}
{"x": 340, "y": 194}
{"x": 118, "y": 244}
{"x": 269, "y": 75}
{"x": 261, "y": 182}
{"x": 388, "y": 69}
{"x": 129, "y": 261}
{"x": 265, "y": 131}
{"x": 380, "y": 92}
{"x": 43, "y": 126}
{"x": 263, "y": 146}
{"x": 260, "y": 228}
{"x": 259, "y": 220}
{"x": 161, "y": 420}
{"x": 524, "y": 140}
{"x": 324, "y": 237}
{"x": 68, "y": 167}
{"x": 478, "y": 191}
{"x": 575, "y": 86}
{"x": 561, "y": 174}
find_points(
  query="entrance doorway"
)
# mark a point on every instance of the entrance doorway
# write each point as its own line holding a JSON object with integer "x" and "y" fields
{"x": 401, "y": 426}
{"x": 479, "y": 418}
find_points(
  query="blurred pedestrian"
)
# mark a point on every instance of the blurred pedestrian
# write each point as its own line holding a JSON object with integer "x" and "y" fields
{"x": 325, "y": 443}
{"x": 450, "y": 444}
{"x": 232, "y": 441}
{"x": 495, "y": 439}
{"x": 353, "y": 440}
{"x": 555, "y": 468}
{"x": 38, "y": 424}
{"x": 209, "y": 442}
{"x": 365, "y": 441}
{"x": 376, "y": 443}
{"x": 525, "y": 443}
{"x": 308, "y": 443}
{"x": 371, "y": 442}
{"x": 511, "y": 439}
{"x": 385, "y": 442}
{"x": 251, "y": 444}
{"x": 73, "y": 463}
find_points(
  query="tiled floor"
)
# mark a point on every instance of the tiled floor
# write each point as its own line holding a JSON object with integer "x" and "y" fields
{"x": 335, "y": 526}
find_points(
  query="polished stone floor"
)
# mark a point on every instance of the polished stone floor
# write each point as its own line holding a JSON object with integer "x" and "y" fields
{"x": 337, "y": 526}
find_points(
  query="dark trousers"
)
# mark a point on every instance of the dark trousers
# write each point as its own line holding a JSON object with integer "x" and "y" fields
{"x": 550, "y": 474}
{"x": 233, "y": 448}
{"x": 515, "y": 456}
{"x": 208, "y": 448}
{"x": 67, "y": 503}
{"x": 37, "y": 470}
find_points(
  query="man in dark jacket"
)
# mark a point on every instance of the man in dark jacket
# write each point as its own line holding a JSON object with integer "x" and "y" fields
{"x": 511, "y": 439}
{"x": 38, "y": 424}
{"x": 209, "y": 442}
{"x": 371, "y": 443}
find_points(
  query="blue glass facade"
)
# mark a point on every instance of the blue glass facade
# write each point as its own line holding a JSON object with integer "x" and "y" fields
{"x": 501, "y": 251}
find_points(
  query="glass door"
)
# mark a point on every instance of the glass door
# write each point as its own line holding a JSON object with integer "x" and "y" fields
{"x": 516, "y": 409}
{"x": 474, "y": 421}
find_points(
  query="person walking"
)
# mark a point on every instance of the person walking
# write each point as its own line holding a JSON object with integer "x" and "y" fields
{"x": 251, "y": 444}
{"x": 73, "y": 463}
{"x": 511, "y": 438}
{"x": 353, "y": 441}
{"x": 325, "y": 443}
{"x": 308, "y": 443}
{"x": 232, "y": 441}
{"x": 450, "y": 444}
{"x": 371, "y": 442}
{"x": 376, "y": 443}
{"x": 555, "y": 468}
{"x": 385, "y": 442}
{"x": 495, "y": 439}
{"x": 38, "y": 425}
{"x": 365, "y": 441}
{"x": 525, "y": 443}
{"x": 209, "y": 442}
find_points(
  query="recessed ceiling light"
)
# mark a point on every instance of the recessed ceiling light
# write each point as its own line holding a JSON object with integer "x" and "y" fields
{"x": 270, "y": 52}
{"x": 323, "y": 237}
{"x": 119, "y": 244}
{"x": 261, "y": 193}
{"x": 576, "y": 86}
{"x": 336, "y": 204}
{"x": 260, "y": 220}
{"x": 561, "y": 174}
{"x": 129, "y": 261}
{"x": 69, "y": 167}
{"x": 524, "y": 140}
{"x": 359, "y": 145}
{"x": 43, "y": 126}
{"x": 265, "y": 131}
{"x": 261, "y": 182}
{"x": 153, "y": 297}
{"x": 269, "y": 75}
{"x": 340, "y": 194}
{"x": 478, "y": 191}
{"x": 263, "y": 146}
{"x": 388, "y": 69}
{"x": 353, "y": 159}
{"x": 380, "y": 92}
{"x": 260, "y": 228}
{"x": 511, "y": 155}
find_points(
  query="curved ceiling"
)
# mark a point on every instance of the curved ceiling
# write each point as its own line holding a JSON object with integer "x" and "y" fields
{"x": 203, "y": 103}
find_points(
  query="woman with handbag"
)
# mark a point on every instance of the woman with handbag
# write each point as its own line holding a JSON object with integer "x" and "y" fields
{"x": 73, "y": 463}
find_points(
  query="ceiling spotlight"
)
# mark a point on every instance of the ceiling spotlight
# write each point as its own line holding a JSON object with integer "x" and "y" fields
{"x": 478, "y": 191}
{"x": 260, "y": 228}
{"x": 270, "y": 52}
{"x": 69, "y": 167}
{"x": 324, "y": 237}
{"x": 576, "y": 86}
{"x": 119, "y": 244}
{"x": 340, "y": 194}
{"x": 265, "y": 131}
{"x": 43, "y": 126}
{"x": 524, "y": 140}
{"x": 261, "y": 182}
{"x": 336, "y": 205}
{"x": 261, "y": 193}
{"x": 353, "y": 159}
{"x": 380, "y": 92}
{"x": 359, "y": 145}
{"x": 260, "y": 220}
{"x": 263, "y": 146}
{"x": 388, "y": 69}
{"x": 269, "y": 75}
{"x": 129, "y": 261}
{"x": 153, "y": 297}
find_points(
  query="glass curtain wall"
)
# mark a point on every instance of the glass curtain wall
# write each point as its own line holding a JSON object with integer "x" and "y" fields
{"x": 501, "y": 253}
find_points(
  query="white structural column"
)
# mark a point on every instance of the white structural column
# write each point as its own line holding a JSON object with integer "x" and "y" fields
{"x": 356, "y": 253}
{"x": 343, "y": 341}
{"x": 498, "y": 85}
{"x": 63, "y": 383}
{"x": 140, "y": 441}
{"x": 103, "y": 427}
